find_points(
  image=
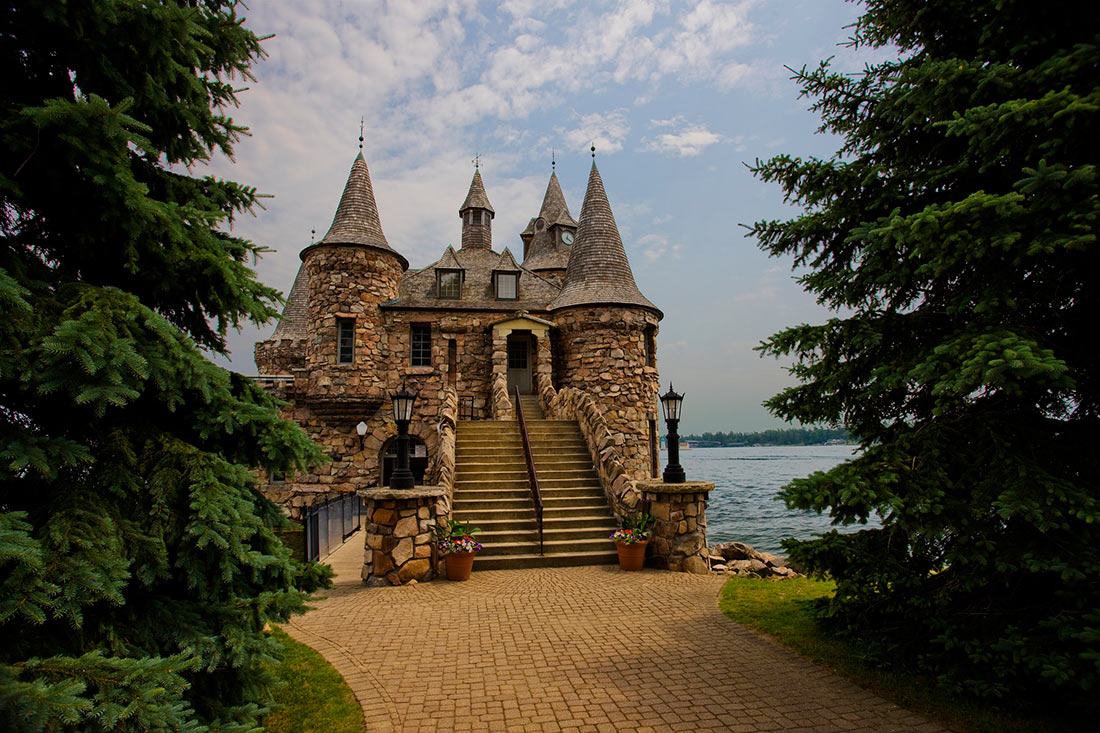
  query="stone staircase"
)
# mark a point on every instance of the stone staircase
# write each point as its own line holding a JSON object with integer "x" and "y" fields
{"x": 491, "y": 492}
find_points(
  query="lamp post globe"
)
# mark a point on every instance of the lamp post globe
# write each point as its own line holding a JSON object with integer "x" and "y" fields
{"x": 672, "y": 401}
{"x": 402, "y": 477}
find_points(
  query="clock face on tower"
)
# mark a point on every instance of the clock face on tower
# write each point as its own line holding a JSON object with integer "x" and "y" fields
{"x": 567, "y": 237}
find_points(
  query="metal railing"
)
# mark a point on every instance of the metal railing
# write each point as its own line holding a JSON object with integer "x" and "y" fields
{"x": 532, "y": 478}
{"x": 328, "y": 525}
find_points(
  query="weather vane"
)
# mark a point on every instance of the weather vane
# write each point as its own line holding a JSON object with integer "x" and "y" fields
{"x": 312, "y": 234}
{"x": 593, "y": 151}
{"x": 476, "y": 161}
{"x": 360, "y": 133}
{"x": 553, "y": 162}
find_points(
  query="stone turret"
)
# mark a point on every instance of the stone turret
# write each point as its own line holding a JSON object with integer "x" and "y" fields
{"x": 350, "y": 272}
{"x": 607, "y": 332}
{"x": 477, "y": 216}
{"x": 548, "y": 238}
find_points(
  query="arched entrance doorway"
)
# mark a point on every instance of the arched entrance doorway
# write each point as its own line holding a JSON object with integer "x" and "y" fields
{"x": 418, "y": 459}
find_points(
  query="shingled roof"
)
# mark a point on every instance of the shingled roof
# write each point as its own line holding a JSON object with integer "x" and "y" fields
{"x": 544, "y": 252}
{"x": 476, "y": 198}
{"x": 295, "y": 321}
{"x": 598, "y": 271}
{"x": 356, "y": 220}
{"x": 418, "y": 289}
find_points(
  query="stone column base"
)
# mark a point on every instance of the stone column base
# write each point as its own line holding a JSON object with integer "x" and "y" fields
{"x": 398, "y": 533}
{"x": 679, "y": 540}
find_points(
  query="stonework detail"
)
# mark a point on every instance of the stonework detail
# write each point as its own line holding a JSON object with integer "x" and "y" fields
{"x": 398, "y": 534}
{"x": 679, "y": 540}
{"x": 604, "y": 354}
{"x": 502, "y": 405}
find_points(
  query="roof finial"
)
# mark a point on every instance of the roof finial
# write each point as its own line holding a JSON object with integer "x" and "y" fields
{"x": 553, "y": 162}
{"x": 360, "y": 134}
{"x": 593, "y": 151}
{"x": 312, "y": 234}
{"x": 477, "y": 161}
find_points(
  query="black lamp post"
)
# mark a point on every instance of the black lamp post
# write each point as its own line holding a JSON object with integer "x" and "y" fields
{"x": 402, "y": 477}
{"x": 671, "y": 401}
{"x": 361, "y": 431}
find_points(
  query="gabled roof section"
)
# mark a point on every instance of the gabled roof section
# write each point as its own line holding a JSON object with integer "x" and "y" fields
{"x": 449, "y": 261}
{"x": 476, "y": 198}
{"x": 554, "y": 209}
{"x": 506, "y": 263}
{"x": 598, "y": 271}
{"x": 356, "y": 220}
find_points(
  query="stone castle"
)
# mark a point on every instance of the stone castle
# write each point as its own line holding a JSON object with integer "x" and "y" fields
{"x": 566, "y": 326}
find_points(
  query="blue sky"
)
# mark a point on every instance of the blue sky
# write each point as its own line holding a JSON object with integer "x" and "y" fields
{"x": 676, "y": 96}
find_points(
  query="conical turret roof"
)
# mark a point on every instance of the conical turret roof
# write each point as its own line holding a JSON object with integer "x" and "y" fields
{"x": 356, "y": 220}
{"x": 476, "y": 198}
{"x": 598, "y": 271}
{"x": 554, "y": 209}
{"x": 544, "y": 252}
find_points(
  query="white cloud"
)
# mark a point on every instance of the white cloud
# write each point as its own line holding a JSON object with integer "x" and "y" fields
{"x": 687, "y": 141}
{"x": 655, "y": 247}
{"x": 606, "y": 131}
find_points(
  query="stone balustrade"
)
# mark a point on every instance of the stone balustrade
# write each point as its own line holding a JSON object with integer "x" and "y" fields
{"x": 502, "y": 403}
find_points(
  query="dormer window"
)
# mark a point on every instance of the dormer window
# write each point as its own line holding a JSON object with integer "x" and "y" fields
{"x": 506, "y": 285}
{"x": 449, "y": 284}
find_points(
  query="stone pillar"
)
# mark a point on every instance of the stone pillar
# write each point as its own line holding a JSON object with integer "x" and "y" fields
{"x": 679, "y": 540}
{"x": 398, "y": 533}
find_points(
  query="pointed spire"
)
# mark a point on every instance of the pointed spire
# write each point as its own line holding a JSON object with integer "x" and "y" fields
{"x": 554, "y": 209}
{"x": 356, "y": 220}
{"x": 598, "y": 271}
{"x": 476, "y": 198}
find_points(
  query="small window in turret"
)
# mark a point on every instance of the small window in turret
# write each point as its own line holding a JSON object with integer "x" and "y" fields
{"x": 345, "y": 340}
{"x": 449, "y": 284}
{"x": 651, "y": 346}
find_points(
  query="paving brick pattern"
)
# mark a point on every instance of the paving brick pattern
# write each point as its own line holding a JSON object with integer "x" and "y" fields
{"x": 572, "y": 649}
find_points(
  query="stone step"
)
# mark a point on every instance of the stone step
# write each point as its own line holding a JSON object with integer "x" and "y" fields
{"x": 553, "y": 492}
{"x": 529, "y": 535}
{"x": 594, "y": 544}
{"x": 596, "y": 521}
{"x": 527, "y": 511}
{"x": 556, "y": 560}
{"x": 549, "y": 503}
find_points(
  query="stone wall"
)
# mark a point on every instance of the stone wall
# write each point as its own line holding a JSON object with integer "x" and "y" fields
{"x": 604, "y": 354}
{"x": 280, "y": 356}
{"x": 398, "y": 534}
{"x": 348, "y": 282}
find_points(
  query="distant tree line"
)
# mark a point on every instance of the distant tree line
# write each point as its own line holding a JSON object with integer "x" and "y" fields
{"x": 785, "y": 436}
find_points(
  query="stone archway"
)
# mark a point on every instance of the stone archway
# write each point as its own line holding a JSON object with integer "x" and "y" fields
{"x": 375, "y": 443}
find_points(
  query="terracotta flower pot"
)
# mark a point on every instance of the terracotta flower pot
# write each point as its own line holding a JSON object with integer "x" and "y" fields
{"x": 459, "y": 565}
{"x": 632, "y": 556}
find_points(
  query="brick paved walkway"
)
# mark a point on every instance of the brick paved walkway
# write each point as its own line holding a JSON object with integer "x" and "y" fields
{"x": 572, "y": 649}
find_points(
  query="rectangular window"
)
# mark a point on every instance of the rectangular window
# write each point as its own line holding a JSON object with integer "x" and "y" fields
{"x": 452, "y": 362}
{"x": 651, "y": 346}
{"x": 345, "y": 340}
{"x": 421, "y": 340}
{"x": 506, "y": 286}
{"x": 450, "y": 284}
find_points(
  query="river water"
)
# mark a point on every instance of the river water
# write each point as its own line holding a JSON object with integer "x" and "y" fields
{"x": 743, "y": 506}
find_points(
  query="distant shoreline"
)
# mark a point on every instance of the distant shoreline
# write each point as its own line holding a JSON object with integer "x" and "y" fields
{"x": 770, "y": 438}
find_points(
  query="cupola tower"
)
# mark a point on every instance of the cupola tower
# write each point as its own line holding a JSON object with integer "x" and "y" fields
{"x": 477, "y": 216}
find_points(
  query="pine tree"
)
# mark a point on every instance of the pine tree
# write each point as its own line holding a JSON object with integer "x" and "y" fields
{"x": 956, "y": 228}
{"x": 138, "y": 562}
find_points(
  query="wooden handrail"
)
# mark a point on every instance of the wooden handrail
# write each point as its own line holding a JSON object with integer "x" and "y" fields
{"x": 532, "y": 478}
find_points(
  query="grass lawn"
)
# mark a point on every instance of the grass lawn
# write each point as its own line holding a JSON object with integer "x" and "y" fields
{"x": 780, "y": 609}
{"x": 315, "y": 696}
